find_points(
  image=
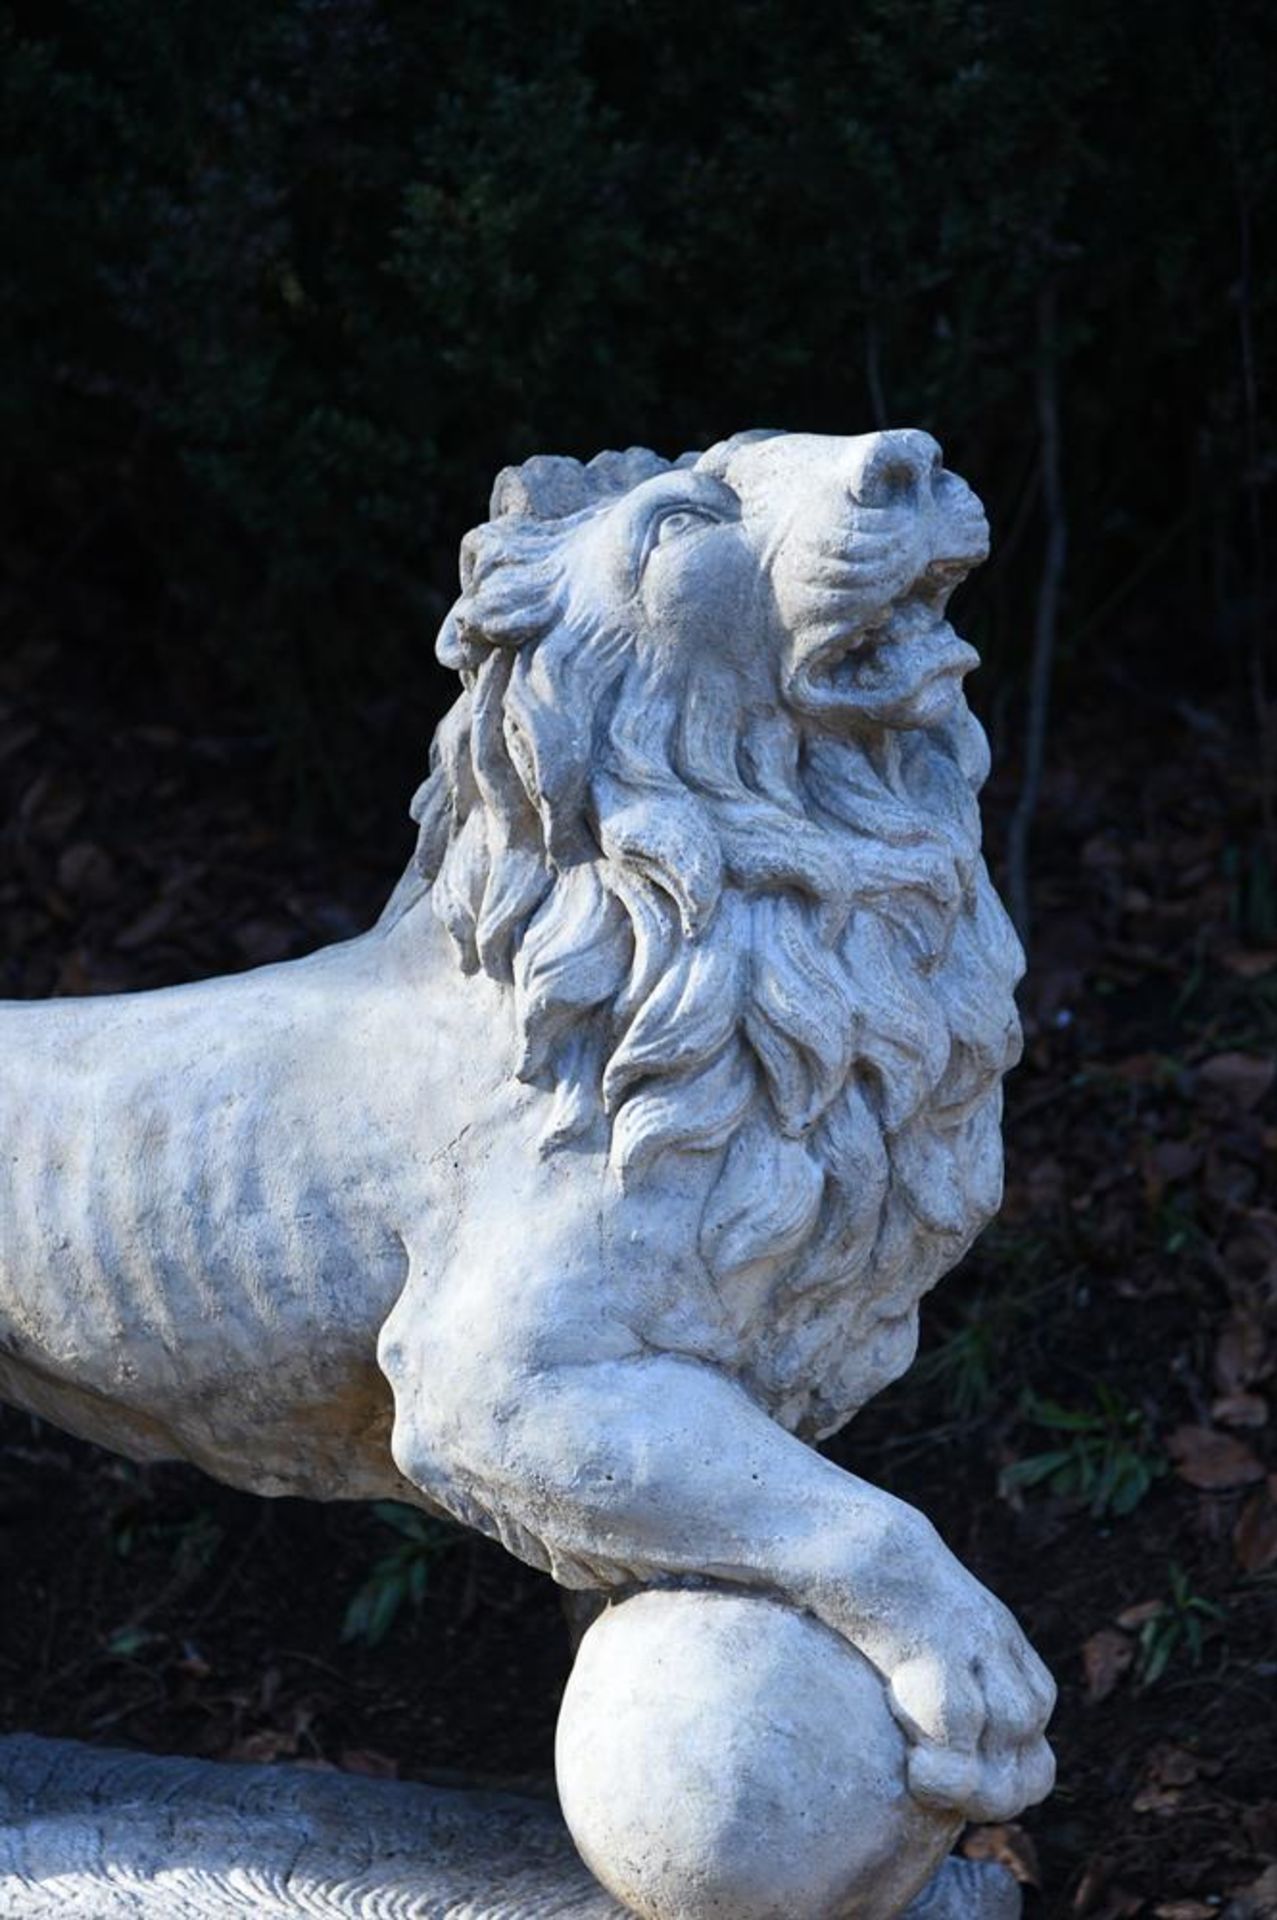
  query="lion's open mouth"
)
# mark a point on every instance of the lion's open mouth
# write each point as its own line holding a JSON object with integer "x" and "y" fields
{"x": 905, "y": 671}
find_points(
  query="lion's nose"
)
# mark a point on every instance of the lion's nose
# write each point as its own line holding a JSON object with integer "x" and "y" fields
{"x": 894, "y": 468}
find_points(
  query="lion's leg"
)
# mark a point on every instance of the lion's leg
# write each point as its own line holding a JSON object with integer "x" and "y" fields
{"x": 641, "y": 1466}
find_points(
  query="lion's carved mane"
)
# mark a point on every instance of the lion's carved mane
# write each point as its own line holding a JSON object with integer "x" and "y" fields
{"x": 754, "y": 938}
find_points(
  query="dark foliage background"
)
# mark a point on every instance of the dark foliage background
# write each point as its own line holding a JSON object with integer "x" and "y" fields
{"x": 285, "y": 284}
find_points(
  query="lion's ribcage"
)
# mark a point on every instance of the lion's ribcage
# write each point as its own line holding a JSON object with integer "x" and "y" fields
{"x": 174, "y": 1215}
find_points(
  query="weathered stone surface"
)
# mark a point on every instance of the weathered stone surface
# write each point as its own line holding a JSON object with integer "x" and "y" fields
{"x": 91, "y": 1834}
{"x": 719, "y": 1752}
{"x": 611, "y": 1166}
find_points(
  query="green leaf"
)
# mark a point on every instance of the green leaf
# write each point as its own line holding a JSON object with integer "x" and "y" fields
{"x": 1132, "y": 1481}
{"x": 1157, "y": 1643}
{"x": 128, "y": 1641}
{"x": 371, "y": 1613}
{"x": 387, "y": 1601}
{"x": 1049, "y": 1414}
{"x": 1033, "y": 1469}
{"x": 409, "y": 1521}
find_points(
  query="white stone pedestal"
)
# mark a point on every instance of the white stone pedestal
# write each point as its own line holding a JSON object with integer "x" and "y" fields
{"x": 90, "y": 1833}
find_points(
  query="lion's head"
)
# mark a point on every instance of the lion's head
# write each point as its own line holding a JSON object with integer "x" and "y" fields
{"x": 708, "y": 802}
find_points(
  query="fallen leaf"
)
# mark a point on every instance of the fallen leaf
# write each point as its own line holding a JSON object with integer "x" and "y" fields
{"x": 149, "y": 925}
{"x": 1047, "y": 1183}
{"x": 1188, "y": 852}
{"x": 86, "y": 871}
{"x": 1156, "y": 1798}
{"x": 13, "y": 739}
{"x": 76, "y": 973}
{"x": 1174, "y": 1159}
{"x": 1240, "y": 1351}
{"x": 366, "y": 1760}
{"x": 1139, "y": 1069}
{"x": 1240, "y": 1410}
{"x": 1106, "y": 1656}
{"x": 263, "y": 1747}
{"x": 1173, "y": 1766}
{"x": 1168, "y": 1771}
{"x": 264, "y": 941}
{"x": 1119, "y": 1903}
{"x": 50, "y": 809}
{"x": 1260, "y": 1826}
{"x": 1258, "y": 1901}
{"x": 1102, "y": 850}
{"x": 1096, "y": 1876}
{"x": 1212, "y": 1460}
{"x": 1139, "y": 1615}
{"x": 1249, "y": 963}
{"x": 1255, "y": 1535}
{"x": 1243, "y": 1078}
{"x": 1007, "y": 1846}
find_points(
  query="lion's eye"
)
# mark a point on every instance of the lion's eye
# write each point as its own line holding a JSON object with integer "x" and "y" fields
{"x": 682, "y": 521}
{"x": 671, "y": 524}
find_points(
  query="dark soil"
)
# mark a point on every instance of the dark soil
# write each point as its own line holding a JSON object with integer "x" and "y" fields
{"x": 1089, "y": 1423}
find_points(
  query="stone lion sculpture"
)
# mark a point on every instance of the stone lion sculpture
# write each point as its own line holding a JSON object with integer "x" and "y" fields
{"x": 610, "y": 1167}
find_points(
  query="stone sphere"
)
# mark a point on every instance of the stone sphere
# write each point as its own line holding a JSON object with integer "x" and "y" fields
{"x": 722, "y": 1756}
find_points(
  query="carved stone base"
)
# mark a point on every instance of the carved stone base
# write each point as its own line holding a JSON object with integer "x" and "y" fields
{"x": 92, "y": 1834}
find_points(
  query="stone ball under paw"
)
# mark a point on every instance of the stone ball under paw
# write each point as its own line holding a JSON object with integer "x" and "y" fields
{"x": 722, "y": 1756}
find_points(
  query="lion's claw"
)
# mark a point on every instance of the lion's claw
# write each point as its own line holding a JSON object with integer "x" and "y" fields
{"x": 975, "y": 1708}
{"x": 978, "y": 1788}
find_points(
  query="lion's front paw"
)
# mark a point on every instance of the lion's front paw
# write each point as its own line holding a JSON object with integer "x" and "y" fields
{"x": 975, "y": 1704}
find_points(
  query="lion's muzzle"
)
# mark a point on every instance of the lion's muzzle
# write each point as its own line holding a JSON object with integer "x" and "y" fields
{"x": 878, "y": 535}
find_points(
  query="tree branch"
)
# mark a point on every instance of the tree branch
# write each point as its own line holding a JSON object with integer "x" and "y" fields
{"x": 1046, "y": 618}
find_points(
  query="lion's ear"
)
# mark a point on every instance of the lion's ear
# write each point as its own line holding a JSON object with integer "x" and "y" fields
{"x": 553, "y": 486}
{"x": 616, "y": 471}
{"x": 548, "y": 487}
